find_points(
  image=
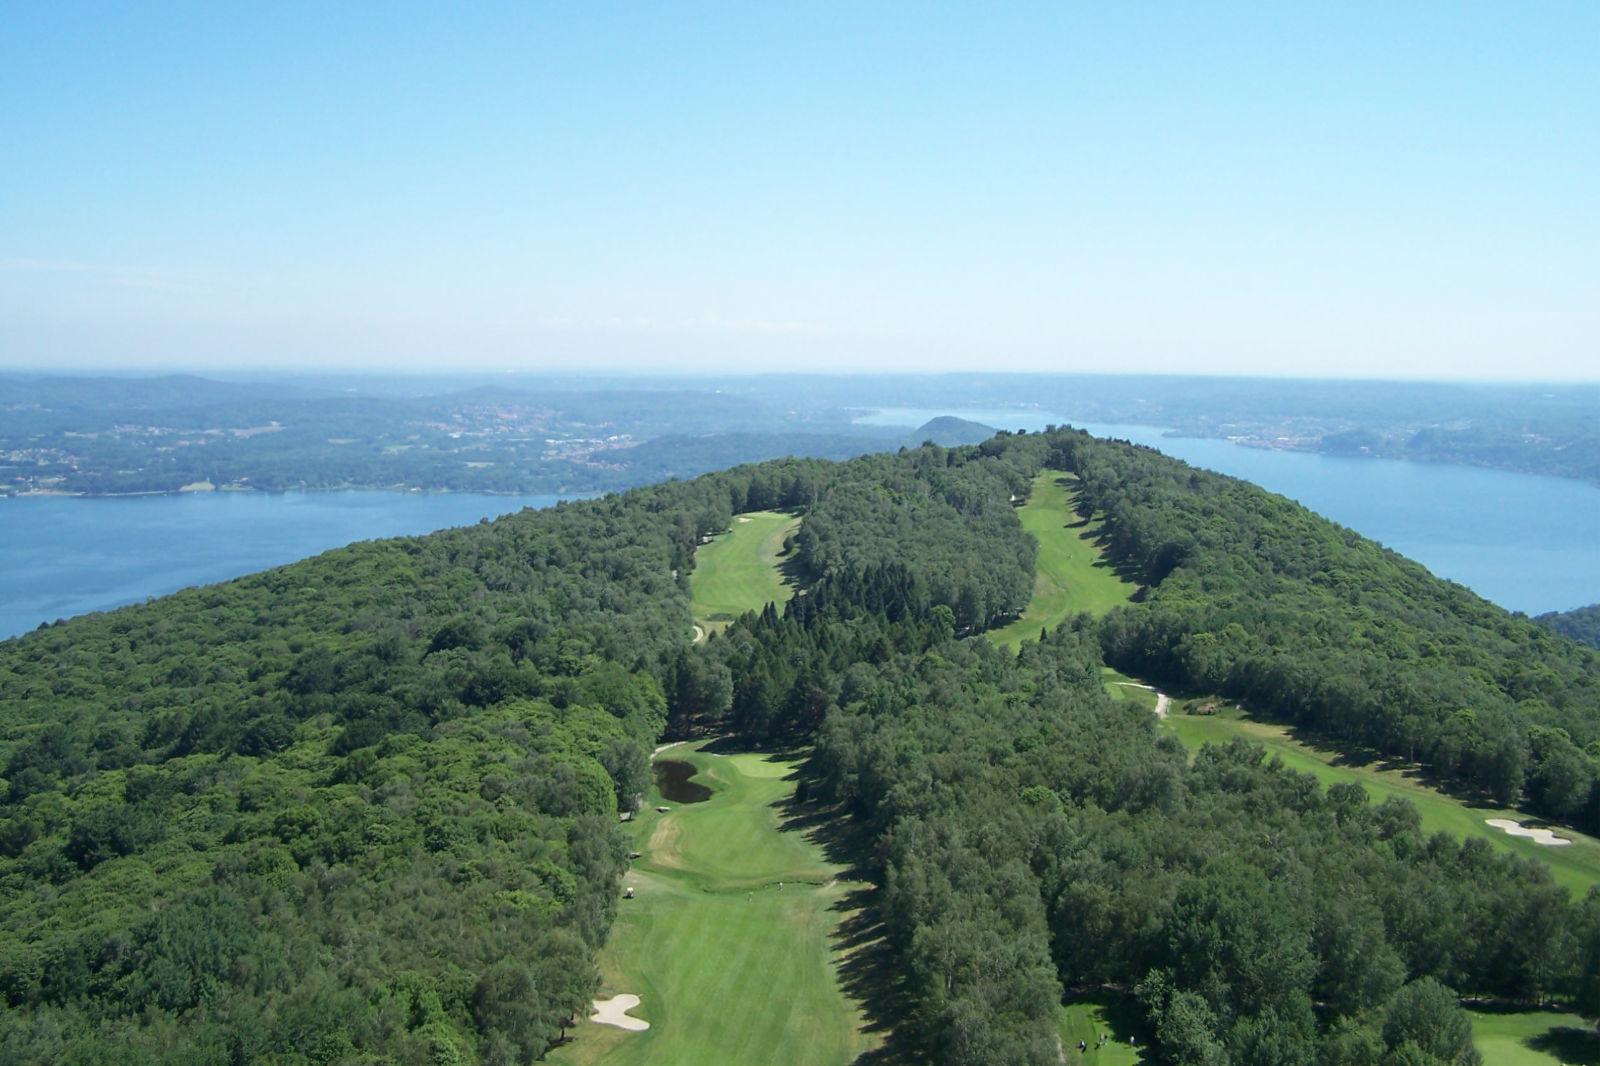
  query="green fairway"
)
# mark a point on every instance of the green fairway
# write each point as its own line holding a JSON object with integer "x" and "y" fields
{"x": 739, "y": 570}
{"x": 1124, "y": 688}
{"x": 729, "y": 966}
{"x": 1577, "y": 866}
{"x": 1086, "y": 1020}
{"x": 1070, "y": 576}
{"x": 1534, "y": 1038}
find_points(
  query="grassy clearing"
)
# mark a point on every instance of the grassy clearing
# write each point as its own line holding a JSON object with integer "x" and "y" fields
{"x": 1086, "y": 1020}
{"x": 728, "y": 966}
{"x": 1577, "y": 867}
{"x": 1534, "y": 1038}
{"x": 740, "y": 570}
{"x": 1125, "y": 689}
{"x": 1071, "y": 576}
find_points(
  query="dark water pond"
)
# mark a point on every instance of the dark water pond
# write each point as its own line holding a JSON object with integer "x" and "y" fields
{"x": 672, "y": 780}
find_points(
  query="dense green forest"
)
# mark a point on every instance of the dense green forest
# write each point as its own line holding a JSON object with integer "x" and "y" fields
{"x": 1034, "y": 837}
{"x": 364, "y": 807}
{"x": 1581, "y": 624}
{"x": 1254, "y": 597}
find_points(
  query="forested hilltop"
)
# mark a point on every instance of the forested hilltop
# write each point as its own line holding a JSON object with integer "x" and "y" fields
{"x": 365, "y": 807}
{"x": 1581, "y": 624}
{"x": 361, "y": 805}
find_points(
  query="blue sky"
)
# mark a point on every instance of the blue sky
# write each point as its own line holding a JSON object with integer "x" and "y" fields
{"x": 1401, "y": 190}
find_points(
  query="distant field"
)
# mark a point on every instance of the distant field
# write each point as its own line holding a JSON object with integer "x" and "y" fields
{"x": 729, "y": 967}
{"x": 1534, "y": 1038}
{"x": 1577, "y": 867}
{"x": 1071, "y": 576}
{"x": 739, "y": 570}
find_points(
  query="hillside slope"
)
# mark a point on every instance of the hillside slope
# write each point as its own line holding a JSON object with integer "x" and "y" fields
{"x": 1581, "y": 624}
{"x": 365, "y": 806}
{"x": 360, "y": 805}
{"x": 1255, "y": 597}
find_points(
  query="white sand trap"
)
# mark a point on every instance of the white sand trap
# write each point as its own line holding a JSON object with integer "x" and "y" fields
{"x": 742, "y": 518}
{"x": 614, "y": 1011}
{"x": 1538, "y": 836}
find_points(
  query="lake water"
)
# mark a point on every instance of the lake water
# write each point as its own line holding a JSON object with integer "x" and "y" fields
{"x": 1526, "y": 542}
{"x": 61, "y": 557}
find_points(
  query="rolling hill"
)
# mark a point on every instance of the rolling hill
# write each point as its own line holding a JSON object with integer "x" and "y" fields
{"x": 367, "y": 805}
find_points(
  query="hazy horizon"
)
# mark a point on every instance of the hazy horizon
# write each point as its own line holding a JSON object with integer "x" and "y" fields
{"x": 669, "y": 373}
{"x": 1367, "y": 193}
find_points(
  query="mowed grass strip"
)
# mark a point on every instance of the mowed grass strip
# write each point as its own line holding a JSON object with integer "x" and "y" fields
{"x": 739, "y": 570}
{"x": 1071, "y": 575}
{"x": 1087, "y": 1021}
{"x": 1577, "y": 866}
{"x": 1125, "y": 689}
{"x": 1534, "y": 1038}
{"x": 728, "y": 966}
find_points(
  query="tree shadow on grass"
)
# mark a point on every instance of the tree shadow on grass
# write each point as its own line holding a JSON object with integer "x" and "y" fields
{"x": 1568, "y": 1044}
{"x": 1348, "y": 753}
{"x": 794, "y": 572}
{"x": 735, "y": 744}
{"x": 869, "y": 974}
{"x": 1120, "y": 1018}
{"x": 862, "y": 957}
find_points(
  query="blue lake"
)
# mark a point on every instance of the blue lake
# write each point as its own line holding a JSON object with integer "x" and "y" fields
{"x": 1526, "y": 542}
{"x": 61, "y": 557}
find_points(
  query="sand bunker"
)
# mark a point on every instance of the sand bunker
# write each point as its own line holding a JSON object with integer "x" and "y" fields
{"x": 1538, "y": 836}
{"x": 614, "y": 1011}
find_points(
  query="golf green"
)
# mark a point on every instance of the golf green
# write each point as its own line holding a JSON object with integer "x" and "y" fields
{"x": 1086, "y": 1021}
{"x": 1534, "y": 1038}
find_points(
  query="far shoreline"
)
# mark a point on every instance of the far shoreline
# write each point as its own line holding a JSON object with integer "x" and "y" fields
{"x": 246, "y": 490}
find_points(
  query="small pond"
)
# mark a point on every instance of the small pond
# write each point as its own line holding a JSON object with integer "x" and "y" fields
{"x": 672, "y": 780}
